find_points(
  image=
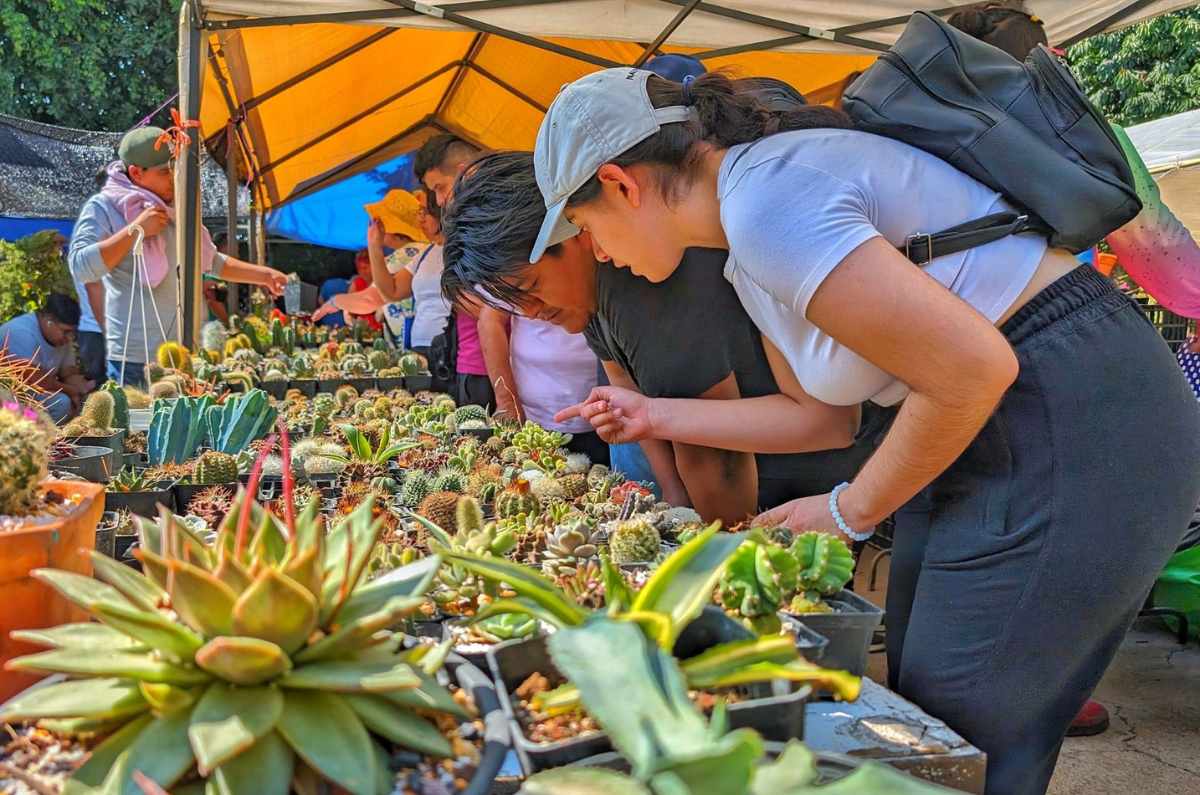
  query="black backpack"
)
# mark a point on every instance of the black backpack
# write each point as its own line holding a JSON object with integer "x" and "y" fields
{"x": 1025, "y": 130}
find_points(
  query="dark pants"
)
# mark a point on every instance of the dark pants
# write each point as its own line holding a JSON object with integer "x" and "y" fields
{"x": 1017, "y": 573}
{"x": 438, "y": 385}
{"x": 474, "y": 390}
{"x": 135, "y": 373}
{"x": 92, "y": 355}
{"x": 591, "y": 445}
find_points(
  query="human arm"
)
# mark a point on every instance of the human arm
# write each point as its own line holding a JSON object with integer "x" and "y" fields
{"x": 956, "y": 364}
{"x": 659, "y": 454}
{"x": 493, "y": 339}
{"x": 95, "y": 299}
{"x": 722, "y": 483}
{"x": 392, "y": 286}
{"x": 236, "y": 270}
{"x": 96, "y": 248}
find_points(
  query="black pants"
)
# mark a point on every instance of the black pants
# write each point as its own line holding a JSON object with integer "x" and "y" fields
{"x": 92, "y": 355}
{"x": 474, "y": 390}
{"x": 438, "y": 384}
{"x": 591, "y": 445}
{"x": 1017, "y": 573}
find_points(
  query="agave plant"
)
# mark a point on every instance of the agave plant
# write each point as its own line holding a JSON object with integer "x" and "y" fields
{"x": 259, "y": 660}
{"x": 638, "y": 694}
{"x": 362, "y": 452}
{"x": 671, "y": 599}
{"x": 128, "y": 479}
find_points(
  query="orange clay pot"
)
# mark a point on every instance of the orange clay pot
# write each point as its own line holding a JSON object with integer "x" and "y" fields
{"x": 1105, "y": 263}
{"x": 26, "y": 603}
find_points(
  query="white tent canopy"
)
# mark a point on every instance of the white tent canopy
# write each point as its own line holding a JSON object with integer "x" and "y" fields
{"x": 1170, "y": 143}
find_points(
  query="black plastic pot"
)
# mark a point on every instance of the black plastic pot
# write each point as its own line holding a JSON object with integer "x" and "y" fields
{"x": 137, "y": 460}
{"x": 810, "y": 644}
{"x": 90, "y": 463}
{"x": 114, "y": 441}
{"x": 478, "y": 658}
{"x": 849, "y": 629}
{"x": 122, "y": 549}
{"x": 106, "y": 538}
{"x": 388, "y": 384}
{"x": 143, "y": 503}
{"x": 329, "y": 385}
{"x": 415, "y": 383}
{"x": 276, "y": 389}
{"x": 361, "y": 384}
{"x": 775, "y": 710}
{"x": 307, "y": 386}
{"x": 482, "y": 434}
{"x": 184, "y": 492}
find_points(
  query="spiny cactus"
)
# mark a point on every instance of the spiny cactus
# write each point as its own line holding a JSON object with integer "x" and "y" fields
{"x": 120, "y": 412}
{"x": 597, "y": 475}
{"x": 354, "y": 364}
{"x": 379, "y": 360}
{"x": 237, "y": 662}
{"x": 211, "y": 504}
{"x": 98, "y": 410}
{"x": 173, "y": 356}
{"x": 345, "y": 396}
{"x": 411, "y": 364}
{"x": 214, "y": 467}
{"x": 450, "y": 479}
{"x": 213, "y": 336}
{"x": 634, "y": 541}
{"x": 137, "y": 398}
{"x": 415, "y": 489}
{"x": 439, "y": 508}
{"x": 517, "y": 499}
{"x": 470, "y": 412}
{"x": 24, "y": 455}
{"x": 548, "y": 490}
{"x": 163, "y": 390}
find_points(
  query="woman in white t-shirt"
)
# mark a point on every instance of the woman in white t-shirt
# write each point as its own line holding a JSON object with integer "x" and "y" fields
{"x": 1024, "y": 465}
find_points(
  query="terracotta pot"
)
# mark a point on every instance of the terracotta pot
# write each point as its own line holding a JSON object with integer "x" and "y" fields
{"x": 26, "y": 603}
{"x": 1105, "y": 263}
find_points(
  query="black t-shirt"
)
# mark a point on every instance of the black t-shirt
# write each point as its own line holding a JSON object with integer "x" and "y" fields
{"x": 683, "y": 336}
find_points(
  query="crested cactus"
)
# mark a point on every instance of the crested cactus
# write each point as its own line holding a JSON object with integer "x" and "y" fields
{"x": 759, "y": 579}
{"x": 215, "y": 467}
{"x": 24, "y": 455}
{"x": 826, "y": 564}
{"x": 634, "y": 541}
{"x": 237, "y": 662}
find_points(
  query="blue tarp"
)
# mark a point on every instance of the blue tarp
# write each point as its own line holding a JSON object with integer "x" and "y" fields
{"x": 334, "y": 216}
{"x": 15, "y": 228}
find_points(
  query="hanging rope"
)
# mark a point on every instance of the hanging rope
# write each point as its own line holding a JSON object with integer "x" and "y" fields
{"x": 141, "y": 289}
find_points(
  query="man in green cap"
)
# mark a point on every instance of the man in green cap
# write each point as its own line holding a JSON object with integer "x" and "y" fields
{"x": 125, "y": 239}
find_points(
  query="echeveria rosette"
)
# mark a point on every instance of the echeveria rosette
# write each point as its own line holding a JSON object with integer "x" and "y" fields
{"x": 259, "y": 659}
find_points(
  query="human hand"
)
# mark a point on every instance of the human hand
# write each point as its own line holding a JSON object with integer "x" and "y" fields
{"x": 274, "y": 281}
{"x": 375, "y": 234}
{"x": 394, "y": 241}
{"x": 507, "y": 407}
{"x": 803, "y": 515}
{"x": 327, "y": 308}
{"x": 153, "y": 220}
{"x": 619, "y": 415}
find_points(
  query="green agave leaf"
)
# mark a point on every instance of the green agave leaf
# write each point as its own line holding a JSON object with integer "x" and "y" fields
{"x": 728, "y": 658}
{"x": 89, "y": 635}
{"x": 243, "y": 661}
{"x": 349, "y": 548}
{"x": 357, "y": 442}
{"x": 582, "y": 781}
{"x": 649, "y": 716}
{"x": 276, "y": 608}
{"x": 102, "y": 759}
{"x": 161, "y": 752}
{"x": 518, "y": 606}
{"x": 121, "y": 664}
{"x": 167, "y": 698}
{"x": 305, "y": 568}
{"x": 349, "y": 676}
{"x": 152, "y": 628}
{"x": 618, "y": 596}
{"x": 264, "y": 769}
{"x": 228, "y": 720}
{"x": 411, "y": 580}
{"x": 99, "y": 699}
{"x": 657, "y": 626}
{"x": 231, "y": 572}
{"x": 201, "y": 600}
{"x": 81, "y": 727}
{"x": 137, "y": 587}
{"x": 683, "y": 584}
{"x": 398, "y": 724}
{"x": 526, "y": 582}
{"x": 845, "y": 685}
{"x": 359, "y": 633}
{"x": 724, "y": 765}
{"x": 83, "y": 591}
{"x": 795, "y": 768}
{"x": 330, "y": 738}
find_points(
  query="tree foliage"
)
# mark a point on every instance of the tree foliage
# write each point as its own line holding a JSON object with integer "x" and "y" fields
{"x": 90, "y": 64}
{"x": 31, "y": 269}
{"x": 1145, "y": 72}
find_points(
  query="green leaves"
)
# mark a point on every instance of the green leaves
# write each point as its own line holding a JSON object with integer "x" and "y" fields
{"x": 91, "y": 698}
{"x": 330, "y": 738}
{"x": 582, "y": 781}
{"x": 351, "y": 676}
{"x": 122, "y": 664}
{"x": 526, "y": 582}
{"x": 228, "y": 720}
{"x": 88, "y": 635}
{"x": 243, "y": 661}
{"x": 201, "y": 600}
{"x": 277, "y": 609}
{"x": 265, "y": 769}
{"x": 398, "y": 725}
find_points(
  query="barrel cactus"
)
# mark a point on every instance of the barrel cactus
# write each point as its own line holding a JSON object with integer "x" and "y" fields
{"x": 517, "y": 499}
{"x": 634, "y": 541}
{"x": 173, "y": 356}
{"x": 261, "y": 659}
{"x": 416, "y": 488}
{"x": 120, "y": 418}
{"x": 214, "y": 467}
{"x": 379, "y": 360}
{"x": 411, "y": 364}
{"x": 24, "y": 455}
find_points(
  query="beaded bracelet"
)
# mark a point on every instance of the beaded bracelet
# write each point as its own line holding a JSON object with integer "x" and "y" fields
{"x": 837, "y": 516}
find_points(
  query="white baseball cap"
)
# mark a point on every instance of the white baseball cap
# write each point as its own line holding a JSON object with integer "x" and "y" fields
{"x": 591, "y": 122}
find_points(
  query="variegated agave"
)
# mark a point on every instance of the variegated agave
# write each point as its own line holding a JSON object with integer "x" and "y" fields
{"x": 260, "y": 663}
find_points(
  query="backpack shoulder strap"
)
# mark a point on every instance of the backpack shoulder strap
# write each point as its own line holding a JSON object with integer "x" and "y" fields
{"x": 923, "y": 247}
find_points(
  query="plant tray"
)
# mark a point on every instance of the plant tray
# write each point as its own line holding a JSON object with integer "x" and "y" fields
{"x": 307, "y": 386}
{"x": 276, "y": 389}
{"x": 849, "y": 629}
{"x": 415, "y": 383}
{"x": 388, "y": 384}
{"x": 143, "y": 503}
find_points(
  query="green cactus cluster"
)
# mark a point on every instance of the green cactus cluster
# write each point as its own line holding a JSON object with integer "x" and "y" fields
{"x": 379, "y": 360}
{"x": 760, "y": 578}
{"x": 417, "y": 486}
{"x": 517, "y": 499}
{"x": 450, "y": 479}
{"x": 25, "y": 438}
{"x": 634, "y": 541}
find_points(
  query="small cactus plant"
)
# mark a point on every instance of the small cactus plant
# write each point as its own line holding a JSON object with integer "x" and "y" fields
{"x": 214, "y": 467}
{"x": 634, "y": 541}
{"x": 517, "y": 499}
{"x": 173, "y": 356}
{"x": 24, "y": 455}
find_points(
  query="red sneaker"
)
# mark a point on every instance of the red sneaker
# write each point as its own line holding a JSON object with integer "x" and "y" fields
{"x": 1091, "y": 720}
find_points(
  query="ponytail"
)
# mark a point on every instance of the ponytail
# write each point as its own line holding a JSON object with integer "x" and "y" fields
{"x": 728, "y": 113}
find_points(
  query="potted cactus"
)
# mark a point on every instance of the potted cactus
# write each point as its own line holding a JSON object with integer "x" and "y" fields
{"x": 260, "y": 662}
{"x": 102, "y": 422}
{"x": 132, "y": 491}
{"x": 42, "y": 523}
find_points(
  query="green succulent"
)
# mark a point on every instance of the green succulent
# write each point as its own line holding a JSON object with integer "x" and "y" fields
{"x": 256, "y": 660}
{"x": 826, "y": 563}
{"x": 760, "y": 578}
{"x": 362, "y": 452}
{"x": 634, "y": 541}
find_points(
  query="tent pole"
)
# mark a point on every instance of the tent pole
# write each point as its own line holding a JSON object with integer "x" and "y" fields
{"x": 187, "y": 199}
{"x": 231, "y": 191}
{"x": 365, "y": 16}
{"x": 653, "y": 46}
{"x": 1106, "y": 23}
{"x": 778, "y": 24}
